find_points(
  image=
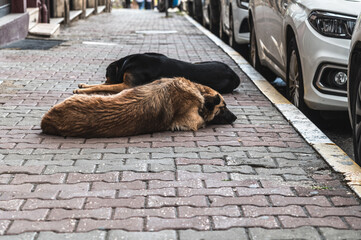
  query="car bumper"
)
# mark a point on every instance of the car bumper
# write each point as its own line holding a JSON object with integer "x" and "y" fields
{"x": 316, "y": 52}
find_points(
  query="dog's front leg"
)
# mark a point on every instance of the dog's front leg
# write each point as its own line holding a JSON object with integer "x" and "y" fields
{"x": 102, "y": 88}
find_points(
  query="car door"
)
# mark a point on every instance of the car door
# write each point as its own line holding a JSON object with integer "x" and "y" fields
{"x": 273, "y": 45}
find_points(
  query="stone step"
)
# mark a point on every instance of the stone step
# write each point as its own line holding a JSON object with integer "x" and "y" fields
{"x": 89, "y": 11}
{"x": 56, "y": 20}
{"x": 45, "y": 29}
{"x": 74, "y": 14}
{"x": 100, "y": 8}
{"x": 33, "y": 16}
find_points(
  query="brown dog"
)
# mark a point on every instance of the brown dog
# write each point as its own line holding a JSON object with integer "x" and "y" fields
{"x": 166, "y": 104}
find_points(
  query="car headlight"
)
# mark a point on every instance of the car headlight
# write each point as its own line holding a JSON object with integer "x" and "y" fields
{"x": 332, "y": 24}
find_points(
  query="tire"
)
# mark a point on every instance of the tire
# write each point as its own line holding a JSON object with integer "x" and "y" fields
{"x": 253, "y": 50}
{"x": 231, "y": 40}
{"x": 355, "y": 104}
{"x": 197, "y": 10}
{"x": 214, "y": 17}
{"x": 294, "y": 81}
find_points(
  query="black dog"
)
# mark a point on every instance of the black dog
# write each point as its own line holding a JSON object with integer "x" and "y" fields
{"x": 139, "y": 69}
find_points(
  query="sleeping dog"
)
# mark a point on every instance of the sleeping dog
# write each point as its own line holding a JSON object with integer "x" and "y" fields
{"x": 139, "y": 69}
{"x": 166, "y": 104}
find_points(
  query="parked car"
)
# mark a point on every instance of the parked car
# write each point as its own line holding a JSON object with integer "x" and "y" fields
{"x": 306, "y": 43}
{"x": 354, "y": 89}
{"x": 210, "y": 15}
{"x": 234, "y": 22}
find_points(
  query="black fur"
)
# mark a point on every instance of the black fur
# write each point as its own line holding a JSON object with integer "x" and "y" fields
{"x": 148, "y": 67}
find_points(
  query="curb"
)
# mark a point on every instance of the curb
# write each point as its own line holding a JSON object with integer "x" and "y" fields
{"x": 329, "y": 151}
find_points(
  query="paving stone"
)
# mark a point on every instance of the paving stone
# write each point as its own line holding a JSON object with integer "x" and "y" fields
{"x": 221, "y": 222}
{"x": 161, "y": 235}
{"x": 75, "y": 203}
{"x": 316, "y": 211}
{"x": 13, "y": 204}
{"x": 253, "y": 211}
{"x": 166, "y": 192}
{"x": 132, "y": 176}
{"x": 186, "y": 212}
{"x": 94, "y": 203}
{"x": 285, "y": 201}
{"x": 164, "y": 212}
{"x": 92, "y": 235}
{"x": 336, "y": 234}
{"x": 106, "y": 177}
{"x": 309, "y": 233}
{"x": 20, "y": 226}
{"x": 4, "y": 224}
{"x": 23, "y": 178}
{"x": 120, "y": 185}
{"x": 192, "y": 183}
{"x": 34, "y": 215}
{"x": 354, "y": 222}
{"x": 293, "y": 222}
{"x": 196, "y": 201}
{"x": 184, "y": 175}
{"x": 231, "y": 234}
{"x": 131, "y": 224}
{"x": 217, "y": 201}
{"x": 23, "y": 236}
{"x": 196, "y": 223}
{"x": 98, "y": 193}
{"x": 264, "y": 191}
{"x": 59, "y": 214}
{"x": 186, "y": 192}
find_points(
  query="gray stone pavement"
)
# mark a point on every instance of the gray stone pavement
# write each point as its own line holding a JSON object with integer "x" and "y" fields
{"x": 255, "y": 179}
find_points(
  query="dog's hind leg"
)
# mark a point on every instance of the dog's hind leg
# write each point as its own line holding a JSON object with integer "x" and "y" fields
{"x": 102, "y": 88}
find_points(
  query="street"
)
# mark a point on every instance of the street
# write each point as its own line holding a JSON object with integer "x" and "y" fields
{"x": 257, "y": 178}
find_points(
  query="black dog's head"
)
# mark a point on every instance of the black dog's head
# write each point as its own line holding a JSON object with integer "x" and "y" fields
{"x": 112, "y": 73}
{"x": 215, "y": 110}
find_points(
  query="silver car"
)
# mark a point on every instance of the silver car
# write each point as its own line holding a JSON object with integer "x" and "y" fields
{"x": 354, "y": 89}
{"x": 306, "y": 43}
{"x": 234, "y": 22}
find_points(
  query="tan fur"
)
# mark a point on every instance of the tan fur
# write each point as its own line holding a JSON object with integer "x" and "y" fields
{"x": 166, "y": 104}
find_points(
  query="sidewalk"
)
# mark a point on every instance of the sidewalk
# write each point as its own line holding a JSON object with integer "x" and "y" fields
{"x": 255, "y": 179}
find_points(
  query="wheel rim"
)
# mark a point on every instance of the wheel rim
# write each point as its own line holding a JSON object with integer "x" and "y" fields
{"x": 357, "y": 121}
{"x": 294, "y": 80}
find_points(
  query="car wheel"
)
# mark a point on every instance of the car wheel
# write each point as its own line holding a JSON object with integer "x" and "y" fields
{"x": 356, "y": 117}
{"x": 214, "y": 17}
{"x": 197, "y": 10}
{"x": 295, "y": 90}
{"x": 253, "y": 51}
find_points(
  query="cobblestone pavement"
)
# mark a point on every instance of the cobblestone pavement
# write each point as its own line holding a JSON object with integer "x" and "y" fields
{"x": 255, "y": 179}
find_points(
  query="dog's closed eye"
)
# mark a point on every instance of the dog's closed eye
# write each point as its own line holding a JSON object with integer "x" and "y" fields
{"x": 211, "y": 101}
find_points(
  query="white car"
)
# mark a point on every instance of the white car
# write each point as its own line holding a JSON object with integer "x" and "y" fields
{"x": 306, "y": 43}
{"x": 354, "y": 89}
{"x": 234, "y": 22}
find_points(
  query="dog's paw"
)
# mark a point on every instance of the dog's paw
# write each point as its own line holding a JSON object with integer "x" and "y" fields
{"x": 81, "y": 85}
{"x": 76, "y": 91}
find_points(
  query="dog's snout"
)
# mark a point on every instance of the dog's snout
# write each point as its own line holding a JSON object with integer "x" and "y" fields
{"x": 224, "y": 117}
{"x": 229, "y": 116}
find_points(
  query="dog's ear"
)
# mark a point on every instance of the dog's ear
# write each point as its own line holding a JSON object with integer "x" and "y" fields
{"x": 211, "y": 101}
